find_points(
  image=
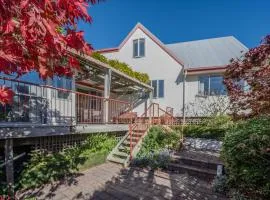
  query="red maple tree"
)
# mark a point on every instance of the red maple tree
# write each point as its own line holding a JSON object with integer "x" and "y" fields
{"x": 34, "y": 36}
{"x": 253, "y": 69}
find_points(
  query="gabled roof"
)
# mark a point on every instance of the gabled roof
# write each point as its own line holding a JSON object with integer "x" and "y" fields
{"x": 150, "y": 35}
{"x": 214, "y": 52}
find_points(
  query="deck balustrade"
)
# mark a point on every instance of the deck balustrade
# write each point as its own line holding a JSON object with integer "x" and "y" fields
{"x": 44, "y": 104}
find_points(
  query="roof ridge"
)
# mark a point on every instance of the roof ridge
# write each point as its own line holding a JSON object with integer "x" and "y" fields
{"x": 230, "y": 36}
{"x": 150, "y": 35}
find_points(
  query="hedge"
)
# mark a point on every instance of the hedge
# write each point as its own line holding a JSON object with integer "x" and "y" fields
{"x": 246, "y": 153}
{"x": 212, "y": 128}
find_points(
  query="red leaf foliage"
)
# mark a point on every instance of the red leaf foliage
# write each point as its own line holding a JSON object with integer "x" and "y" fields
{"x": 254, "y": 70}
{"x": 6, "y": 95}
{"x": 34, "y": 36}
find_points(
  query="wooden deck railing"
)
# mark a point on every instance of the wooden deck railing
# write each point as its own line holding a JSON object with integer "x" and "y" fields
{"x": 44, "y": 104}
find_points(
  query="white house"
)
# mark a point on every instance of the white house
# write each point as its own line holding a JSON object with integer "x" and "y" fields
{"x": 182, "y": 73}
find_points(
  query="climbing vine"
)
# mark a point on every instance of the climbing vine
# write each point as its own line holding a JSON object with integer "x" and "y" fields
{"x": 122, "y": 67}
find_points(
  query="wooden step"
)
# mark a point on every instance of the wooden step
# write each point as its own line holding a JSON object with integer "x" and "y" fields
{"x": 117, "y": 160}
{"x": 199, "y": 156}
{"x": 123, "y": 148}
{"x": 138, "y": 134}
{"x": 191, "y": 170}
{"x": 139, "y": 130}
{"x": 121, "y": 154}
{"x": 194, "y": 162}
{"x": 134, "y": 139}
{"x": 127, "y": 143}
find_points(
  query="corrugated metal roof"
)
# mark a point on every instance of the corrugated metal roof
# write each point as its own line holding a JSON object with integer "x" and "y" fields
{"x": 209, "y": 52}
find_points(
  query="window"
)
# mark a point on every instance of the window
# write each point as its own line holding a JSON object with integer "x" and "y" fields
{"x": 139, "y": 48}
{"x": 211, "y": 85}
{"x": 158, "y": 86}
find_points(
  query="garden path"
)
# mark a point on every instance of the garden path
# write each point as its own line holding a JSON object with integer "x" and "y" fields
{"x": 111, "y": 181}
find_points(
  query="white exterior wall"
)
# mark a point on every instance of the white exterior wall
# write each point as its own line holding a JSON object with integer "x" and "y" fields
{"x": 161, "y": 66}
{"x": 158, "y": 65}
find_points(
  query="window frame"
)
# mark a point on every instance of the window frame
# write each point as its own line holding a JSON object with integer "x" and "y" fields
{"x": 209, "y": 93}
{"x": 157, "y": 96}
{"x": 138, "y": 49}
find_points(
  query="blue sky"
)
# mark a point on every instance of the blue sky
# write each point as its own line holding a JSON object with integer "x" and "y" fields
{"x": 178, "y": 20}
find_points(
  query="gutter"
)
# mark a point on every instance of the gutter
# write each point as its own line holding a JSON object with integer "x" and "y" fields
{"x": 201, "y": 70}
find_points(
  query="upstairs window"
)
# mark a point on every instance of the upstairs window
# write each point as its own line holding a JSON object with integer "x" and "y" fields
{"x": 139, "y": 48}
{"x": 211, "y": 85}
{"x": 158, "y": 86}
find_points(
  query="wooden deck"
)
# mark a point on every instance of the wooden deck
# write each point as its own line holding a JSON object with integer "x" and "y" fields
{"x": 111, "y": 181}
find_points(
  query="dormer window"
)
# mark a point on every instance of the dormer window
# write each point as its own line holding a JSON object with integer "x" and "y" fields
{"x": 139, "y": 48}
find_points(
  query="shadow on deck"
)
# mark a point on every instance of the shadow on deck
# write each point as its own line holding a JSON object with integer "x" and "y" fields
{"x": 110, "y": 181}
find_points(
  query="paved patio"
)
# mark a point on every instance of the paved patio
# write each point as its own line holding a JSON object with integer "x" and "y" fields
{"x": 111, "y": 181}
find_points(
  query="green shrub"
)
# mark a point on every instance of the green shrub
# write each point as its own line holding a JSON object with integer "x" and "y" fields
{"x": 43, "y": 168}
{"x": 246, "y": 153}
{"x": 122, "y": 67}
{"x": 157, "y": 159}
{"x": 211, "y": 128}
{"x": 195, "y": 131}
{"x": 158, "y": 139}
{"x": 155, "y": 148}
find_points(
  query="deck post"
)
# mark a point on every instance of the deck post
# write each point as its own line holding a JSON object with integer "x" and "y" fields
{"x": 151, "y": 103}
{"x": 9, "y": 166}
{"x": 49, "y": 96}
{"x": 107, "y": 90}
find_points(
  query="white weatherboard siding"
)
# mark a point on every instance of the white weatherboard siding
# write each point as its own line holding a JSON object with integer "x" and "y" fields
{"x": 161, "y": 62}
{"x": 158, "y": 65}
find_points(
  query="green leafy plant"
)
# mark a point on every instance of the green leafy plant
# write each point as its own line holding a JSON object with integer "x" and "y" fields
{"x": 211, "y": 128}
{"x": 246, "y": 153}
{"x": 122, "y": 67}
{"x": 156, "y": 159}
{"x": 158, "y": 139}
{"x": 43, "y": 168}
{"x": 156, "y": 146}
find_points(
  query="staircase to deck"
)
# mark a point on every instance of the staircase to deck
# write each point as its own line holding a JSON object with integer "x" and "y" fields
{"x": 128, "y": 147}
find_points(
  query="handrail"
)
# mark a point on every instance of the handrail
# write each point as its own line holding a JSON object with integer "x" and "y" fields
{"x": 61, "y": 89}
{"x": 132, "y": 128}
{"x": 167, "y": 113}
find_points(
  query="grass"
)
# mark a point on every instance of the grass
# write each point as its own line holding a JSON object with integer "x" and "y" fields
{"x": 93, "y": 159}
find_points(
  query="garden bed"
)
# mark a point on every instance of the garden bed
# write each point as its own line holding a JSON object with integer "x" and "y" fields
{"x": 43, "y": 167}
{"x": 157, "y": 148}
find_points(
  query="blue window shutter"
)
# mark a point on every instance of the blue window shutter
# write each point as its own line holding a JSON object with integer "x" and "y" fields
{"x": 161, "y": 88}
